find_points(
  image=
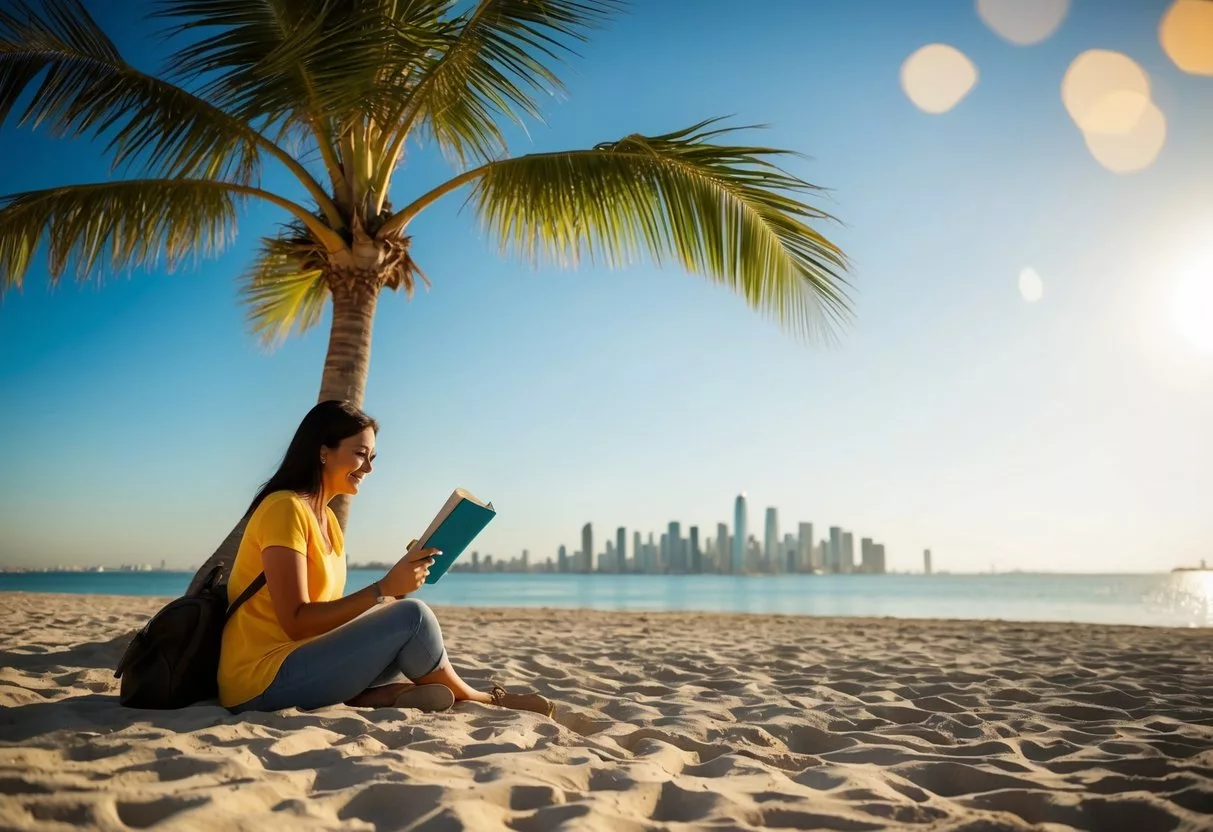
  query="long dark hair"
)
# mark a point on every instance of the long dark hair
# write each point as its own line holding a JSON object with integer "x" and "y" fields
{"x": 326, "y": 424}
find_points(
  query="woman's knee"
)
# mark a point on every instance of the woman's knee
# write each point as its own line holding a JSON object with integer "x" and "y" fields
{"x": 412, "y": 610}
{"x": 416, "y": 617}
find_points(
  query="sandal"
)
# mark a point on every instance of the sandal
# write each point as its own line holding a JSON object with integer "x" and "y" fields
{"x": 532, "y": 702}
{"x": 426, "y": 698}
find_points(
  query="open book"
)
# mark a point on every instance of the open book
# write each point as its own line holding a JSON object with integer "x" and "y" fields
{"x": 453, "y": 528}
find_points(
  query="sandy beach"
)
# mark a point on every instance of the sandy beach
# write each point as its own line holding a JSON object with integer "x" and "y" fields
{"x": 665, "y": 721}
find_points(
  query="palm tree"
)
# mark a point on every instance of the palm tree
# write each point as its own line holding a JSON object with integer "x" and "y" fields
{"x": 332, "y": 91}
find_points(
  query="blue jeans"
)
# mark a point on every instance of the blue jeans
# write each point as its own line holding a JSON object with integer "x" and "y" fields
{"x": 397, "y": 638}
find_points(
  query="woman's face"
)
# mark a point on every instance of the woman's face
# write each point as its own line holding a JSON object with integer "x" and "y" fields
{"x": 346, "y": 465}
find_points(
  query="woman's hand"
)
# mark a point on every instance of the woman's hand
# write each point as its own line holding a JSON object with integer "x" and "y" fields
{"x": 409, "y": 573}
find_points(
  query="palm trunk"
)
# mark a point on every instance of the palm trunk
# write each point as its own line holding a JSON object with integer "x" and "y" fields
{"x": 349, "y": 356}
{"x": 223, "y": 556}
{"x": 345, "y": 372}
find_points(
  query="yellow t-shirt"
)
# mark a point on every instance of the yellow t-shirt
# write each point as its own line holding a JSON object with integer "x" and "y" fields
{"x": 254, "y": 643}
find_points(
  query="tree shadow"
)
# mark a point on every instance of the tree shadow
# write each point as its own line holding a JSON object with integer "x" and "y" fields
{"x": 90, "y": 655}
{"x": 98, "y": 712}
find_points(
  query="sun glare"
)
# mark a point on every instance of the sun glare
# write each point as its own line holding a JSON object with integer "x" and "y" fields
{"x": 1031, "y": 286}
{"x": 1186, "y": 34}
{"x": 1096, "y": 75}
{"x": 1023, "y": 22}
{"x": 937, "y": 77}
{"x": 1135, "y": 149}
{"x": 1109, "y": 97}
{"x": 1192, "y": 307}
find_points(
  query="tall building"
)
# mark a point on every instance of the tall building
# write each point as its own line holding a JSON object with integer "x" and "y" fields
{"x": 724, "y": 555}
{"x": 866, "y": 555}
{"x": 805, "y": 546}
{"x": 834, "y": 561}
{"x": 696, "y": 564}
{"x": 878, "y": 558}
{"x": 637, "y": 560}
{"x": 664, "y": 562}
{"x": 476, "y": 560}
{"x": 526, "y": 561}
{"x": 848, "y": 554}
{"x": 621, "y": 549}
{"x": 770, "y": 547}
{"x": 586, "y": 560}
{"x": 926, "y": 561}
{"x": 739, "y": 535}
{"x": 789, "y": 545}
{"x": 675, "y": 561}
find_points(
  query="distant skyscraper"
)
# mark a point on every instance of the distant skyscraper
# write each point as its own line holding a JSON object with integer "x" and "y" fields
{"x": 770, "y": 548}
{"x": 806, "y": 544}
{"x": 587, "y": 548}
{"x": 834, "y": 561}
{"x": 739, "y": 534}
{"x": 526, "y": 561}
{"x": 926, "y": 561}
{"x": 621, "y": 549}
{"x": 476, "y": 560}
{"x": 664, "y": 562}
{"x": 675, "y": 563}
{"x": 562, "y": 560}
{"x": 848, "y": 553}
{"x": 878, "y": 558}
{"x": 754, "y": 554}
{"x": 636, "y": 552}
{"x": 788, "y": 545}
{"x": 724, "y": 555}
{"x": 866, "y": 555}
{"x": 696, "y": 564}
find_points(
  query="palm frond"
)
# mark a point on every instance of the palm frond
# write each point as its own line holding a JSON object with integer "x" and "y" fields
{"x": 87, "y": 89}
{"x": 125, "y": 224}
{"x": 285, "y": 287}
{"x": 727, "y": 212}
{"x": 291, "y": 61}
{"x": 499, "y": 61}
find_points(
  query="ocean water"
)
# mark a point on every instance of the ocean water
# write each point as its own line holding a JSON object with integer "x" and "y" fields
{"x": 1178, "y": 600}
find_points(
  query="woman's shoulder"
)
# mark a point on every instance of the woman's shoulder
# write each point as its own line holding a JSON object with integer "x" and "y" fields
{"x": 279, "y": 502}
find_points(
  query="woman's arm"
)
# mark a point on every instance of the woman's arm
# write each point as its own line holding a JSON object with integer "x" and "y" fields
{"x": 286, "y": 577}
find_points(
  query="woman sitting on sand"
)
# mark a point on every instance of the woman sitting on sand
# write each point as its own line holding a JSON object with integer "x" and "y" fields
{"x": 297, "y": 642}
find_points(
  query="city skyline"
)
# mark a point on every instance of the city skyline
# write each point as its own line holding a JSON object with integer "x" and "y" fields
{"x": 679, "y": 554}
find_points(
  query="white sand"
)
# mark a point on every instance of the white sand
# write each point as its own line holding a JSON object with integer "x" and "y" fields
{"x": 665, "y": 721}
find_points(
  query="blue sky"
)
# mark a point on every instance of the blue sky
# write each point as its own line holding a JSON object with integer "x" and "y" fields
{"x": 1069, "y": 434}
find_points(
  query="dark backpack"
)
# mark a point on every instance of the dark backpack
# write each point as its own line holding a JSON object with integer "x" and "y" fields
{"x": 173, "y": 661}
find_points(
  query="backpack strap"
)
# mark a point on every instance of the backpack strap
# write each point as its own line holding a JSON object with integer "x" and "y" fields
{"x": 248, "y": 593}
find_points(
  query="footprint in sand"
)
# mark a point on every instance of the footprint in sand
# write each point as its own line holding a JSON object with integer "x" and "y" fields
{"x": 143, "y": 815}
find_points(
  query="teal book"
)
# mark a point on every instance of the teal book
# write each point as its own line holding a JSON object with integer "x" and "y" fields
{"x": 455, "y": 526}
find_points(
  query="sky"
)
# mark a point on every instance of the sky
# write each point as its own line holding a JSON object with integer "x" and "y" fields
{"x": 1067, "y": 433}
